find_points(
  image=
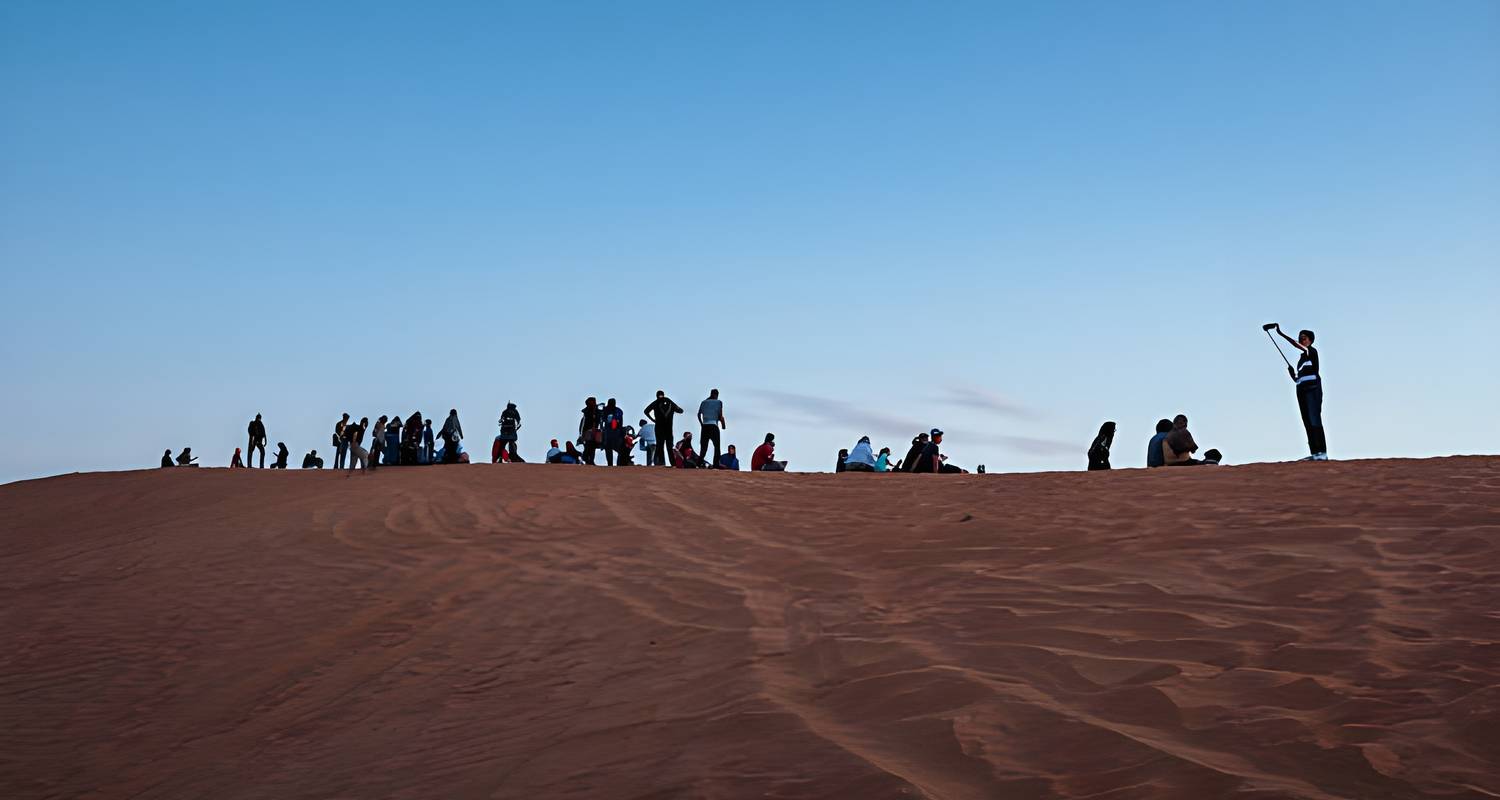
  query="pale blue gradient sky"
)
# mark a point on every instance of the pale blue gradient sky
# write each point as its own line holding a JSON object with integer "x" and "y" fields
{"x": 1010, "y": 220}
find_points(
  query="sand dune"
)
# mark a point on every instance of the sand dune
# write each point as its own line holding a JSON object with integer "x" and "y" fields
{"x": 1276, "y": 631}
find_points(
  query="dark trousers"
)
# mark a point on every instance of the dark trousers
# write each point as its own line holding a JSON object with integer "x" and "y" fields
{"x": 1310, "y": 401}
{"x": 663, "y": 443}
{"x": 250, "y": 453}
{"x": 588, "y": 449}
{"x": 710, "y": 434}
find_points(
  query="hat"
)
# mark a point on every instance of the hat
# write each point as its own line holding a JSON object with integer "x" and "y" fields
{"x": 937, "y": 431}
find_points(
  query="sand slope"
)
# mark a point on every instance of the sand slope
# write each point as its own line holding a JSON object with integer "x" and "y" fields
{"x": 1276, "y": 631}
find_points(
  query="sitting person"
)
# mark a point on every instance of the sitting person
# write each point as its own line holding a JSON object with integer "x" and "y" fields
{"x": 932, "y": 460}
{"x": 569, "y": 456}
{"x": 838, "y": 465}
{"x": 186, "y": 458}
{"x": 909, "y": 464}
{"x": 281, "y": 456}
{"x": 762, "y": 459}
{"x": 861, "y": 458}
{"x": 729, "y": 460}
{"x": 554, "y": 454}
{"x": 683, "y": 454}
{"x": 166, "y": 458}
{"x": 1211, "y": 458}
{"x": 236, "y": 463}
{"x": 311, "y": 460}
{"x": 1099, "y": 450}
{"x": 1154, "y": 456}
{"x": 883, "y": 461}
{"x": 1178, "y": 448}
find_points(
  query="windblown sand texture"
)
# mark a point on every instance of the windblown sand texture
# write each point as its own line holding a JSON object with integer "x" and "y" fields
{"x": 1271, "y": 631}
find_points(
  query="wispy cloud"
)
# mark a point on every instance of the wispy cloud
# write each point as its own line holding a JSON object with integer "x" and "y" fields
{"x": 856, "y": 418}
{"x": 985, "y": 400}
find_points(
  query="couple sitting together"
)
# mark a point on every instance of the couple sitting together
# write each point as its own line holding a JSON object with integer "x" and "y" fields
{"x": 1173, "y": 446}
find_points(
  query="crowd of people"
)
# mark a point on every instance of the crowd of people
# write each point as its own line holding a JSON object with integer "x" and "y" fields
{"x": 392, "y": 442}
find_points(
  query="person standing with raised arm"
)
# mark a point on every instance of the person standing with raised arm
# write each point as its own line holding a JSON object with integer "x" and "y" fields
{"x": 660, "y": 412}
{"x": 711, "y": 419}
{"x": 1309, "y": 392}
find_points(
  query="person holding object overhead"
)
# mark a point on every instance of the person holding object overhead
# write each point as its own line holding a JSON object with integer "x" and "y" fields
{"x": 1309, "y": 392}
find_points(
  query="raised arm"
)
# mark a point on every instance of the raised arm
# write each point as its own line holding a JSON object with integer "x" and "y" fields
{"x": 1294, "y": 342}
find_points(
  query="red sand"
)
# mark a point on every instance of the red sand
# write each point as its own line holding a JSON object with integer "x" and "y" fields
{"x": 1274, "y": 631}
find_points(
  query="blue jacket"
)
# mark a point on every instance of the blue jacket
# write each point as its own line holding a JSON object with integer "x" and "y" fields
{"x": 728, "y": 461}
{"x": 1153, "y": 451}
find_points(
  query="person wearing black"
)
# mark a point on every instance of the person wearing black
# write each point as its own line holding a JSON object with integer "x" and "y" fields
{"x": 711, "y": 421}
{"x": 354, "y": 436}
{"x": 377, "y": 442}
{"x": 166, "y": 458}
{"x": 411, "y": 439}
{"x": 311, "y": 460}
{"x": 281, "y": 456}
{"x": 340, "y": 442}
{"x": 612, "y": 420}
{"x": 510, "y": 431}
{"x": 1099, "y": 450}
{"x": 451, "y": 433}
{"x": 1309, "y": 392}
{"x": 590, "y": 430}
{"x": 909, "y": 464}
{"x": 842, "y": 461}
{"x": 931, "y": 459}
{"x": 257, "y": 440}
{"x": 186, "y": 457}
{"x": 660, "y": 412}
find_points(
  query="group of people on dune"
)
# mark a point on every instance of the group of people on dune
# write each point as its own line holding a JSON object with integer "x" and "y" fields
{"x": 603, "y": 428}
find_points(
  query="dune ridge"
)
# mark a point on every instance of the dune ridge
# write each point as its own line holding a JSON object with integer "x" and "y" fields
{"x": 1269, "y": 631}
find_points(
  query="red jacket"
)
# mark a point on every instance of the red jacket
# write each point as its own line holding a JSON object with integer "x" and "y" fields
{"x": 761, "y": 456}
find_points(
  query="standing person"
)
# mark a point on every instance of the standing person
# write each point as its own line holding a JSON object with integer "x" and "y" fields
{"x": 711, "y": 418}
{"x": 1309, "y": 392}
{"x": 1099, "y": 450}
{"x": 510, "y": 430}
{"x": 1154, "y": 457}
{"x": 392, "y": 447}
{"x": 411, "y": 440}
{"x": 613, "y": 420}
{"x": 354, "y": 435}
{"x": 590, "y": 434}
{"x": 451, "y": 434}
{"x": 257, "y": 440}
{"x": 235, "y": 463}
{"x": 429, "y": 447}
{"x": 660, "y": 412}
{"x": 377, "y": 442}
{"x": 648, "y": 442}
{"x": 340, "y": 444}
{"x": 281, "y": 456}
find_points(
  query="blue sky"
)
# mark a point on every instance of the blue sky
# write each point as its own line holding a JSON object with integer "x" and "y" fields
{"x": 1010, "y": 220}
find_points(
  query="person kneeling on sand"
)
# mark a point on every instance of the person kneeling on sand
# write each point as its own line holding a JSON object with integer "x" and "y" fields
{"x": 1178, "y": 448}
{"x": 684, "y": 455}
{"x": 236, "y": 463}
{"x": 281, "y": 456}
{"x": 861, "y": 458}
{"x": 762, "y": 460}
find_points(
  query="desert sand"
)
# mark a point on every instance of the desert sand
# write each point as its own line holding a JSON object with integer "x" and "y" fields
{"x": 1270, "y": 631}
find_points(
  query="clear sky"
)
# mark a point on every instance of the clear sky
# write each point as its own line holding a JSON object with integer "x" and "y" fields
{"x": 1010, "y": 220}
